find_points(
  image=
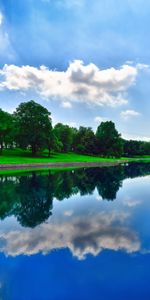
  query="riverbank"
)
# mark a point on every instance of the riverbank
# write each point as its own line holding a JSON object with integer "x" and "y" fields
{"x": 18, "y": 156}
{"x": 18, "y": 159}
{"x": 61, "y": 165}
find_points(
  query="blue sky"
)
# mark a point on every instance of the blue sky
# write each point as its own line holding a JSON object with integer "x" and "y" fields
{"x": 95, "y": 60}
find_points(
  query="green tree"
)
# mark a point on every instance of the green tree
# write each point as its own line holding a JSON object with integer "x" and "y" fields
{"x": 136, "y": 148}
{"x": 34, "y": 126}
{"x": 146, "y": 148}
{"x": 109, "y": 141}
{"x": 53, "y": 143}
{"x": 85, "y": 140}
{"x": 64, "y": 134}
{"x": 6, "y": 129}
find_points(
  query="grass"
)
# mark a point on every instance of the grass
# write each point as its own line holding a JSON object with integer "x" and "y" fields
{"x": 18, "y": 156}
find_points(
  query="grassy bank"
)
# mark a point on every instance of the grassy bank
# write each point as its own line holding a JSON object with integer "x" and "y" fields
{"x": 64, "y": 160}
{"x": 18, "y": 156}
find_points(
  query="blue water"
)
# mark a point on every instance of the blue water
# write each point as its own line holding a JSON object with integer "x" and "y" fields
{"x": 82, "y": 234}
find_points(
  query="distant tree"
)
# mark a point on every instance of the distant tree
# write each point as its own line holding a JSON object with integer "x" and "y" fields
{"x": 64, "y": 134}
{"x": 136, "y": 148}
{"x": 6, "y": 129}
{"x": 146, "y": 148}
{"x": 109, "y": 141}
{"x": 85, "y": 141}
{"x": 34, "y": 126}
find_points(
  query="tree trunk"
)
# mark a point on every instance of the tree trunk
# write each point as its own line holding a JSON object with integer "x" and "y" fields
{"x": 34, "y": 150}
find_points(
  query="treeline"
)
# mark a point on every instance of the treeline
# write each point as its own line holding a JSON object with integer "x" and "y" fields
{"x": 30, "y": 127}
{"x": 30, "y": 198}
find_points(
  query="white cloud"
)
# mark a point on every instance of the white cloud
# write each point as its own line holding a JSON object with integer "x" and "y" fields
{"x": 1, "y": 18}
{"x": 68, "y": 213}
{"x": 129, "y": 114}
{"x": 135, "y": 137}
{"x": 66, "y": 104}
{"x": 99, "y": 119}
{"x": 82, "y": 83}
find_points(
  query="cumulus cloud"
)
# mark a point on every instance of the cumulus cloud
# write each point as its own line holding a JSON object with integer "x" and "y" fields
{"x": 82, "y": 83}
{"x": 129, "y": 114}
{"x": 82, "y": 236}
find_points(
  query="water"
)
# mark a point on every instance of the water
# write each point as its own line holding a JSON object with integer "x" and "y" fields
{"x": 81, "y": 234}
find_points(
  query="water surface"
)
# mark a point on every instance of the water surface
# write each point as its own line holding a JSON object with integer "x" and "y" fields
{"x": 80, "y": 234}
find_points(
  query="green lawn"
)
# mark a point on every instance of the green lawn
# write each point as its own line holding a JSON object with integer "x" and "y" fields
{"x": 18, "y": 156}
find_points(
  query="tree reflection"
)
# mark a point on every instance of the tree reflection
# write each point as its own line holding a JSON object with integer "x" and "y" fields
{"x": 30, "y": 197}
{"x": 35, "y": 195}
{"x": 109, "y": 181}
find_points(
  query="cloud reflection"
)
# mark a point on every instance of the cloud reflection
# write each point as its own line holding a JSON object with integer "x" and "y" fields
{"x": 81, "y": 234}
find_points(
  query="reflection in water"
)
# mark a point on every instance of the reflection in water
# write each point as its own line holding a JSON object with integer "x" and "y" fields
{"x": 35, "y": 200}
{"x": 81, "y": 235}
{"x": 30, "y": 197}
{"x": 83, "y": 228}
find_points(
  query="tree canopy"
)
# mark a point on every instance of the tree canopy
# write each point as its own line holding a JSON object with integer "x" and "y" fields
{"x": 85, "y": 140}
{"x": 64, "y": 135}
{"x": 33, "y": 125}
{"x": 30, "y": 127}
{"x": 109, "y": 140}
{"x": 6, "y": 129}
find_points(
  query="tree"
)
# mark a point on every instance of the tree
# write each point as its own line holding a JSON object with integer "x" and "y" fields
{"x": 85, "y": 140}
{"x": 53, "y": 143}
{"x": 136, "y": 148}
{"x": 6, "y": 129}
{"x": 109, "y": 141}
{"x": 34, "y": 126}
{"x": 64, "y": 134}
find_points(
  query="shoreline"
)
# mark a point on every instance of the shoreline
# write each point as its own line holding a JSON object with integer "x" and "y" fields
{"x": 60, "y": 165}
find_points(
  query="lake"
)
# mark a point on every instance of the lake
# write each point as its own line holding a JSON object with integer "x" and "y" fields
{"x": 76, "y": 234}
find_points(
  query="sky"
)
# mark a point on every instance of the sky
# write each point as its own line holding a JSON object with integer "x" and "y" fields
{"x": 87, "y": 62}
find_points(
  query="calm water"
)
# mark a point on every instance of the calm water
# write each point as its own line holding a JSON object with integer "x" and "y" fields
{"x": 71, "y": 235}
